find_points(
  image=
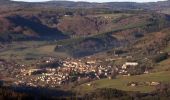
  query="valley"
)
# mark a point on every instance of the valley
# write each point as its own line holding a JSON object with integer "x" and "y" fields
{"x": 84, "y": 51}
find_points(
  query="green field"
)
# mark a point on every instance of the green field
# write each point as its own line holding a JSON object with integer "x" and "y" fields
{"x": 163, "y": 66}
{"x": 121, "y": 82}
{"x": 30, "y": 49}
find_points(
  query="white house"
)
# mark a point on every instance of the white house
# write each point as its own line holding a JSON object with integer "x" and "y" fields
{"x": 131, "y": 64}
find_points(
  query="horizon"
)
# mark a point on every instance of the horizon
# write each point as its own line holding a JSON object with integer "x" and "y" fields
{"x": 98, "y": 1}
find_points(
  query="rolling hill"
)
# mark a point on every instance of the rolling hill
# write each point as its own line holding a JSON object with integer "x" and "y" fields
{"x": 121, "y": 32}
{"x": 161, "y": 5}
{"x": 85, "y": 28}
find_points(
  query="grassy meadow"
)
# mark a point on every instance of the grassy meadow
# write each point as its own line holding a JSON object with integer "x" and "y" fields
{"x": 121, "y": 82}
{"x": 22, "y": 51}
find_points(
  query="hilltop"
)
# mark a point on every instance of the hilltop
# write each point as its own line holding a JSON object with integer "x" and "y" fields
{"x": 160, "y": 5}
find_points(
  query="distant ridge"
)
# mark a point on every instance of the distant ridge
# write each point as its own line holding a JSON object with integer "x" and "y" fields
{"x": 110, "y": 5}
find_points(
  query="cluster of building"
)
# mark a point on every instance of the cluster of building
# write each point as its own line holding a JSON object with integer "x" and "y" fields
{"x": 65, "y": 72}
{"x": 134, "y": 84}
{"x": 124, "y": 69}
{"x": 68, "y": 71}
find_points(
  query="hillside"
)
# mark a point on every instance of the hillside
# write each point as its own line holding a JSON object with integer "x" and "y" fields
{"x": 21, "y": 27}
{"x": 87, "y": 31}
{"x": 79, "y": 25}
{"x": 120, "y": 32}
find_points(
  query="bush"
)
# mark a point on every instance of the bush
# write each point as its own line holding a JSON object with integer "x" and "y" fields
{"x": 160, "y": 57}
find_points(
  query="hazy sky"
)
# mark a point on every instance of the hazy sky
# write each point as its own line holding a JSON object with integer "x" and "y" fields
{"x": 98, "y": 0}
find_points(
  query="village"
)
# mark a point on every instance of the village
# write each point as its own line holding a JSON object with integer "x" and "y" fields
{"x": 56, "y": 73}
{"x": 67, "y": 72}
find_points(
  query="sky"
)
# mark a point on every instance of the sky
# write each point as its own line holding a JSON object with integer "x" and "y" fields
{"x": 96, "y": 0}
